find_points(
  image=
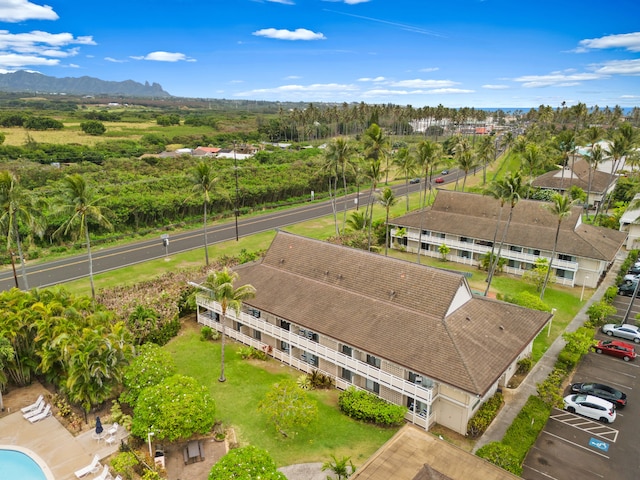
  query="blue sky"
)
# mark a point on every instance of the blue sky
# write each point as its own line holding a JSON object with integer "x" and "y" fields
{"x": 474, "y": 53}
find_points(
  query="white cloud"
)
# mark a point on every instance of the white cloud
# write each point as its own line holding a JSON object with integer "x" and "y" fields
{"x": 557, "y": 79}
{"x": 628, "y": 41}
{"x": 284, "y": 2}
{"x": 348, "y": 2}
{"x": 314, "y": 88}
{"x": 619, "y": 67}
{"x": 293, "y": 77}
{"x": 419, "y": 83}
{"x": 367, "y": 79}
{"x": 495, "y": 87}
{"x": 114, "y": 60}
{"x": 13, "y": 60}
{"x": 20, "y": 10}
{"x": 38, "y": 48}
{"x": 161, "y": 56}
{"x": 429, "y": 69}
{"x": 283, "y": 34}
{"x": 443, "y": 91}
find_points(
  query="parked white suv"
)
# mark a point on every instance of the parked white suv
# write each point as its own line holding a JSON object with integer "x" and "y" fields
{"x": 590, "y": 406}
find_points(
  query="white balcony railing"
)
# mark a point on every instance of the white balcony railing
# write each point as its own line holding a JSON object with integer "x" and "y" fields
{"x": 421, "y": 393}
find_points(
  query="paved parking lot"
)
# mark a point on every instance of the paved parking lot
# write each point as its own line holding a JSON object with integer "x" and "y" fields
{"x": 571, "y": 446}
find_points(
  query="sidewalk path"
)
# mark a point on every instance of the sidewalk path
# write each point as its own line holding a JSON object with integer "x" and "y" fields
{"x": 516, "y": 398}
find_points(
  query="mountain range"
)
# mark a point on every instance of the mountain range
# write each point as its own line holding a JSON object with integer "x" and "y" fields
{"x": 23, "y": 81}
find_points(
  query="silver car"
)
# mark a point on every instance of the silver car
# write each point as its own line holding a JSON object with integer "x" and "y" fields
{"x": 628, "y": 332}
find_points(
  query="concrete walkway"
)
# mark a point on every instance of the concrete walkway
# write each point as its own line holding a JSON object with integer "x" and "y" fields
{"x": 516, "y": 398}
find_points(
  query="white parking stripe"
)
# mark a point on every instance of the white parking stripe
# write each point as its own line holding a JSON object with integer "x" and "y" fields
{"x": 577, "y": 445}
{"x": 593, "y": 428}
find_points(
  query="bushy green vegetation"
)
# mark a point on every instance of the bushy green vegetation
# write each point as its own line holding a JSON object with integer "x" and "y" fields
{"x": 481, "y": 420}
{"x": 367, "y": 407}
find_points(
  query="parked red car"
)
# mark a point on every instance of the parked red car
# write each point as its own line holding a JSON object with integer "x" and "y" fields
{"x": 616, "y": 348}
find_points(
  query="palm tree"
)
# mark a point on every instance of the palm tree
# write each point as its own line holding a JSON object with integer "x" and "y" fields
{"x": 594, "y": 158}
{"x": 508, "y": 190}
{"x": 387, "y": 199}
{"x": 406, "y": 164}
{"x": 338, "y": 158}
{"x": 533, "y": 157}
{"x": 561, "y": 209}
{"x": 486, "y": 154}
{"x": 80, "y": 204}
{"x": 374, "y": 173}
{"x": 466, "y": 158}
{"x": 220, "y": 285}
{"x": 376, "y": 144}
{"x": 204, "y": 181}
{"x": 16, "y": 207}
{"x": 618, "y": 148}
{"x": 427, "y": 155}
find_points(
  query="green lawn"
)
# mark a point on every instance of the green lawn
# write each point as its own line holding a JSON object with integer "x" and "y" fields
{"x": 248, "y": 381}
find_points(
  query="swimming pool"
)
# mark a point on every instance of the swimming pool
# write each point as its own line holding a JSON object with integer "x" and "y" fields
{"x": 21, "y": 463}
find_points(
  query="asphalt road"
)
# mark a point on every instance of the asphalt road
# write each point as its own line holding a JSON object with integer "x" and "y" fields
{"x": 107, "y": 259}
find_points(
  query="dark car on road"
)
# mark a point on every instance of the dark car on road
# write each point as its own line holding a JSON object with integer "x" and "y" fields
{"x": 414, "y": 180}
{"x": 605, "y": 392}
{"x": 616, "y": 348}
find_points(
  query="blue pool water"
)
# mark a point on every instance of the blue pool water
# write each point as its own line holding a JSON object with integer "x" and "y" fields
{"x": 19, "y": 466}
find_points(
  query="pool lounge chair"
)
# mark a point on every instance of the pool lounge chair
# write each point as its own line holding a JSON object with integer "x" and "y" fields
{"x": 91, "y": 468}
{"x": 34, "y": 412}
{"x": 44, "y": 414}
{"x": 34, "y": 406}
{"x": 104, "y": 474}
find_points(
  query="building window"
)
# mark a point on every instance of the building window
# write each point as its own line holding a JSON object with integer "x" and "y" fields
{"x": 514, "y": 248}
{"x": 568, "y": 274}
{"x": 513, "y": 264}
{"x": 347, "y": 350}
{"x": 284, "y": 346}
{"x": 238, "y": 326}
{"x": 372, "y": 386}
{"x": 314, "y": 337}
{"x": 253, "y": 312}
{"x": 309, "y": 358}
{"x": 424, "y": 246}
{"x": 465, "y": 240}
{"x": 441, "y": 235}
{"x": 257, "y": 335}
{"x": 284, "y": 324}
{"x": 347, "y": 375}
{"x": 426, "y": 233}
{"x": 404, "y": 241}
{"x": 415, "y": 378}
{"x": 566, "y": 258}
{"x": 464, "y": 254}
{"x": 373, "y": 361}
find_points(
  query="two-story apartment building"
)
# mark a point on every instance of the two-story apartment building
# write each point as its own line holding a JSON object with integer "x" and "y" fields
{"x": 466, "y": 223}
{"x": 412, "y": 334}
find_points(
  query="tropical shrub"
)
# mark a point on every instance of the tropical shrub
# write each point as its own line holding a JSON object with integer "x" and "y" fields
{"x": 150, "y": 367}
{"x": 481, "y": 420}
{"x": 501, "y": 455}
{"x": 368, "y": 407}
{"x": 124, "y": 463}
{"x": 93, "y": 127}
{"x": 177, "y": 408}
{"x": 246, "y": 463}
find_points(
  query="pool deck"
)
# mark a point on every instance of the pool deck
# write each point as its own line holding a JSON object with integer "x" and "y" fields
{"x": 48, "y": 438}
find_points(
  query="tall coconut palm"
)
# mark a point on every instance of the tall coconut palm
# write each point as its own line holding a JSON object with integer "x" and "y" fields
{"x": 80, "y": 204}
{"x": 387, "y": 199}
{"x": 509, "y": 190}
{"x": 427, "y": 155}
{"x": 486, "y": 154}
{"x": 374, "y": 172}
{"x": 618, "y": 148}
{"x": 532, "y": 158}
{"x": 17, "y": 207}
{"x": 465, "y": 158}
{"x": 594, "y": 158}
{"x": 376, "y": 145}
{"x": 338, "y": 159}
{"x": 407, "y": 167}
{"x": 204, "y": 181}
{"x": 560, "y": 208}
{"x": 221, "y": 286}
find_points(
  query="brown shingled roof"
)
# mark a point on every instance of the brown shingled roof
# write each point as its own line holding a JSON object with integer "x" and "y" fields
{"x": 396, "y": 310}
{"x": 553, "y": 180}
{"x": 532, "y": 226}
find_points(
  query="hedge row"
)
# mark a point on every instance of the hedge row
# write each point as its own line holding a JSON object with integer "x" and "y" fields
{"x": 367, "y": 407}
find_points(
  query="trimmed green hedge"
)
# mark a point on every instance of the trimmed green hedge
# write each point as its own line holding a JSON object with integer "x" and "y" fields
{"x": 368, "y": 407}
{"x": 479, "y": 423}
